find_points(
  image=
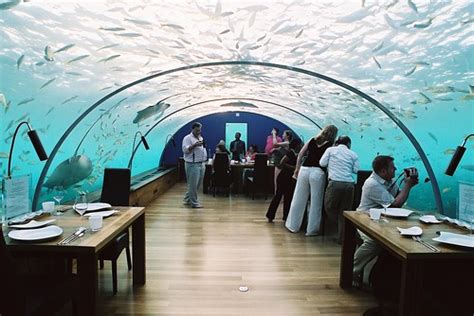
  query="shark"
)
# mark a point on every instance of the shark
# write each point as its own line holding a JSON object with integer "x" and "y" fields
{"x": 70, "y": 172}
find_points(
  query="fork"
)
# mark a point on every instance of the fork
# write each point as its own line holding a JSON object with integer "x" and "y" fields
{"x": 73, "y": 236}
{"x": 425, "y": 243}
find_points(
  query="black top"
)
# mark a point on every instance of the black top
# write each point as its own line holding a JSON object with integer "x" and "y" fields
{"x": 237, "y": 147}
{"x": 287, "y": 172}
{"x": 315, "y": 153}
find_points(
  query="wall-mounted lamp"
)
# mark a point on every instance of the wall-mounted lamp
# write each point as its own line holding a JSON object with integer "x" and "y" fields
{"x": 168, "y": 138}
{"x": 34, "y": 138}
{"x": 145, "y": 144}
{"x": 453, "y": 164}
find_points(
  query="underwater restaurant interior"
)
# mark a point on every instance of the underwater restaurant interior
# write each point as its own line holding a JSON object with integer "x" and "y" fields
{"x": 246, "y": 157}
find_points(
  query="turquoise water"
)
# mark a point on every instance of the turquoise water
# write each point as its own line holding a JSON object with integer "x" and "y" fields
{"x": 59, "y": 58}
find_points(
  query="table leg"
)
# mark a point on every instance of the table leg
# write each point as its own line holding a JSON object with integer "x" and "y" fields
{"x": 347, "y": 254}
{"x": 88, "y": 283}
{"x": 138, "y": 250}
{"x": 410, "y": 289}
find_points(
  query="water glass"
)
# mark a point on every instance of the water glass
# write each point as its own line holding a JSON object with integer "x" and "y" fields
{"x": 58, "y": 196}
{"x": 375, "y": 214}
{"x": 95, "y": 222}
{"x": 48, "y": 207}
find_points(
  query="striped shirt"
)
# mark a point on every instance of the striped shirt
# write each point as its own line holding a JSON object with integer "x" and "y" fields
{"x": 341, "y": 162}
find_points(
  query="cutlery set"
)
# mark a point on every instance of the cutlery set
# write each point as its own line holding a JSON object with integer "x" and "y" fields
{"x": 74, "y": 236}
{"x": 426, "y": 244}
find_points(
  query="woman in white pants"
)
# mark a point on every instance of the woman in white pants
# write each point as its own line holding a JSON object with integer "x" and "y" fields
{"x": 311, "y": 179}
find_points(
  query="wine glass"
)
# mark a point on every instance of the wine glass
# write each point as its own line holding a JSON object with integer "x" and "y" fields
{"x": 385, "y": 205}
{"x": 80, "y": 204}
{"x": 58, "y": 196}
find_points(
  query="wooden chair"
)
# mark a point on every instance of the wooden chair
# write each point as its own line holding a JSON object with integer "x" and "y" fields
{"x": 116, "y": 191}
{"x": 221, "y": 177}
{"x": 33, "y": 294}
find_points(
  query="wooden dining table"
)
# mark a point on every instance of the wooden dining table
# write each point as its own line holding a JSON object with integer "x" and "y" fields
{"x": 87, "y": 248}
{"x": 414, "y": 256}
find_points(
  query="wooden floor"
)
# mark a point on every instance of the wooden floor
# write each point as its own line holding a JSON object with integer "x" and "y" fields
{"x": 198, "y": 259}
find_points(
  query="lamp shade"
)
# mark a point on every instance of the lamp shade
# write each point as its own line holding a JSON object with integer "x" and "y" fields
{"x": 453, "y": 164}
{"x": 37, "y": 145}
{"x": 145, "y": 143}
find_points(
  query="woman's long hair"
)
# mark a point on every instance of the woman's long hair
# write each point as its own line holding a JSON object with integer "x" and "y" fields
{"x": 328, "y": 134}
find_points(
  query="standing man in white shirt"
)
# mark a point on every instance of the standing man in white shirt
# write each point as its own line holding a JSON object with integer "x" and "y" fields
{"x": 195, "y": 158}
{"x": 342, "y": 162}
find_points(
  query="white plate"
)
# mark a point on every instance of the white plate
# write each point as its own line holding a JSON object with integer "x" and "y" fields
{"x": 412, "y": 231}
{"x": 91, "y": 207}
{"x": 32, "y": 224}
{"x": 36, "y": 234}
{"x": 103, "y": 213}
{"x": 456, "y": 239}
{"x": 430, "y": 219}
{"x": 397, "y": 212}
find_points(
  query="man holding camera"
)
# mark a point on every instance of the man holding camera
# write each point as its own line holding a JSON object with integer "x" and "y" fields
{"x": 195, "y": 158}
{"x": 380, "y": 189}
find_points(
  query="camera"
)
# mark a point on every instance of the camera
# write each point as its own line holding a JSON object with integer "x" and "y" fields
{"x": 411, "y": 172}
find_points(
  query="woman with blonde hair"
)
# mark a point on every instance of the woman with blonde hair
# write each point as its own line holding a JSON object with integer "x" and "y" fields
{"x": 310, "y": 179}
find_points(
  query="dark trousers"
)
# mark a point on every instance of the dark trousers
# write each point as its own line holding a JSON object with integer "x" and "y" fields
{"x": 338, "y": 198}
{"x": 285, "y": 188}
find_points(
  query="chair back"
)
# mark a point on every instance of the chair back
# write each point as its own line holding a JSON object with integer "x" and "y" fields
{"x": 116, "y": 186}
{"x": 362, "y": 175}
{"x": 261, "y": 170}
{"x": 221, "y": 163}
{"x": 10, "y": 302}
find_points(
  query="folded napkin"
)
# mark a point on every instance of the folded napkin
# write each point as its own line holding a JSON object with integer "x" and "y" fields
{"x": 412, "y": 231}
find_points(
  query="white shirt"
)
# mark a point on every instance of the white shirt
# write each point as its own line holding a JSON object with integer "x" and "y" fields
{"x": 375, "y": 192}
{"x": 196, "y": 154}
{"x": 341, "y": 162}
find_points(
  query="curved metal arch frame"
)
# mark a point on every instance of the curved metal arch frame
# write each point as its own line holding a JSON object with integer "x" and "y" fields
{"x": 405, "y": 130}
{"x": 214, "y": 100}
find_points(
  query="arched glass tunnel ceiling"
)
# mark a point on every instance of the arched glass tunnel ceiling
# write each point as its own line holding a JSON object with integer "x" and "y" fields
{"x": 59, "y": 58}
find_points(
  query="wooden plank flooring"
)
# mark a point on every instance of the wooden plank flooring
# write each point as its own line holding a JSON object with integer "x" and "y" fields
{"x": 197, "y": 259}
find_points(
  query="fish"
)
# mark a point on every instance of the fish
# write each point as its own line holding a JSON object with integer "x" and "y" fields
{"x": 19, "y": 61}
{"x": 70, "y": 172}
{"x": 255, "y": 8}
{"x": 440, "y": 89}
{"x": 355, "y": 16}
{"x": 378, "y": 47}
{"x": 445, "y": 190}
{"x": 77, "y": 59}
{"x": 240, "y": 104}
{"x": 443, "y": 98}
{"x": 423, "y": 24}
{"x": 73, "y": 73}
{"x": 224, "y": 31}
{"x": 48, "y": 53}
{"x": 377, "y": 62}
{"x": 174, "y": 26}
{"x": 412, "y": 70}
{"x": 412, "y": 5}
{"x": 433, "y": 137}
{"x": 70, "y": 99}
{"x": 152, "y": 110}
{"x": 449, "y": 151}
{"x": 468, "y": 167}
{"x": 261, "y": 38}
{"x": 40, "y": 63}
{"x": 299, "y": 33}
{"x": 467, "y": 97}
{"x": 468, "y": 20}
{"x": 139, "y": 22}
{"x": 25, "y": 101}
{"x": 64, "y": 48}
{"x": 252, "y": 19}
{"x": 3, "y": 100}
{"x": 132, "y": 34}
{"x": 3, "y": 155}
{"x": 9, "y": 4}
{"x": 112, "y": 29}
{"x": 47, "y": 83}
{"x": 107, "y": 46}
{"x": 109, "y": 58}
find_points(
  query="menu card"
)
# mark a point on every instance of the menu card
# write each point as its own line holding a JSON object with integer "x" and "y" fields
{"x": 466, "y": 201}
{"x": 17, "y": 195}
